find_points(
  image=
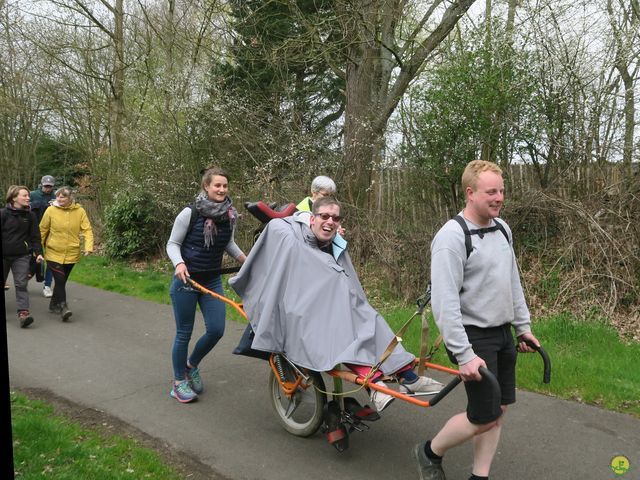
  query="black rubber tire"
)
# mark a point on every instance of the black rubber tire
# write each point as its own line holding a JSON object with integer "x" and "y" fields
{"x": 308, "y": 416}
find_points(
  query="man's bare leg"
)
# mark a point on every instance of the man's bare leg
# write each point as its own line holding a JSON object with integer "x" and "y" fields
{"x": 485, "y": 446}
{"x": 457, "y": 431}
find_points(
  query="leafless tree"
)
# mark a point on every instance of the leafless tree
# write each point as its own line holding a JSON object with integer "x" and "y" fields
{"x": 23, "y": 111}
{"x": 387, "y": 43}
{"x": 624, "y": 17}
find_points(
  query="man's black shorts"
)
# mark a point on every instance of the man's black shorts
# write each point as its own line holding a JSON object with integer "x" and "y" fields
{"x": 496, "y": 347}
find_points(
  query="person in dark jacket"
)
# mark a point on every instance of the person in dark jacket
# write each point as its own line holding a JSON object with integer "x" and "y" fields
{"x": 20, "y": 238}
{"x": 41, "y": 198}
{"x": 200, "y": 236}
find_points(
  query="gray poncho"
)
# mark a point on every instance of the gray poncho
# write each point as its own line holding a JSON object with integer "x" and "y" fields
{"x": 309, "y": 304}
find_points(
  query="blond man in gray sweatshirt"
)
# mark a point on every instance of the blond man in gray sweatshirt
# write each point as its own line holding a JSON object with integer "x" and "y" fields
{"x": 477, "y": 302}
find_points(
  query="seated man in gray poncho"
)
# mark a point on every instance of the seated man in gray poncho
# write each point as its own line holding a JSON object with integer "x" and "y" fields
{"x": 303, "y": 297}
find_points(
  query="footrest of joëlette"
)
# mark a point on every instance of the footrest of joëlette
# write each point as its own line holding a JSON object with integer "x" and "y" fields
{"x": 264, "y": 212}
{"x": 335, "y": 430}
{"x": 359, "y": 412}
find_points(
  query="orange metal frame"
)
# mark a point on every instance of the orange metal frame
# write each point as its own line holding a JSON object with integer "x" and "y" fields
{"x": 358, "y": 380}
{"x": 228, "y": 301}
{"x": 290, "y": 387}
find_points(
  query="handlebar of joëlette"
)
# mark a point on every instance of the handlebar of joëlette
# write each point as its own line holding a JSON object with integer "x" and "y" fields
{"x": 546, "y": 377}
{"x": 487, "y": 376}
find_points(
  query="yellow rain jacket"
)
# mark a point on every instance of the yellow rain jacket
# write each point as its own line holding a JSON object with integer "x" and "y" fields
{"x": 61, "y": 228}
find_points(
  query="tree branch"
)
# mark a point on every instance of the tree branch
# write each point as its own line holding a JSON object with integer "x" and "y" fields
{"x": 451, "y": 16}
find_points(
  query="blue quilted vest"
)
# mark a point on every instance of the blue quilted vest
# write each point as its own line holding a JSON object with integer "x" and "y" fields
{"x": 199, "y": 258}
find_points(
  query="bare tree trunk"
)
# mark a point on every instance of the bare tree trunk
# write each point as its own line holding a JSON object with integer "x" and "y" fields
{"x": 487, "y": 150}
{"x": 629, "y": 119}
{"x": 371, "y": 97}
{"x": 117, "y": 110}
{"x": 624, "y": 21}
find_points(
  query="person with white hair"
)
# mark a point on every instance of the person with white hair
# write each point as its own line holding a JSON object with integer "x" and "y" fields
{"x": 321, "y": 186}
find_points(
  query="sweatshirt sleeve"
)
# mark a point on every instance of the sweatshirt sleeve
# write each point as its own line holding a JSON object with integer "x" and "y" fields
{"x": 232, "y": 247}
{"x": 448, "y": 254}
{"x": 521, "y": 316}
{"x": 178, "y": 233}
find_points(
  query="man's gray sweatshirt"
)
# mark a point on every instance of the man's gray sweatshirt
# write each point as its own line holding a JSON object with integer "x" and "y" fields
{"x": 483, "y": 290}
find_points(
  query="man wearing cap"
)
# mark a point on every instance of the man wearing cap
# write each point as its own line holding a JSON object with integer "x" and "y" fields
{"x": 40, "y": 199}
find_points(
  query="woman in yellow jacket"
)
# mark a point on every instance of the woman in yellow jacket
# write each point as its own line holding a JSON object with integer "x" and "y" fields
{"x": 60, "y": 228}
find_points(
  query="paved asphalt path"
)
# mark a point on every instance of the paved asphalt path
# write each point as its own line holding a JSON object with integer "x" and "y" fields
{"x": 115, "y": 356}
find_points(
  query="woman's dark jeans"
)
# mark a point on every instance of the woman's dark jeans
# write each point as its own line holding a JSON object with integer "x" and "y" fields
{"x": 184, "y": 299}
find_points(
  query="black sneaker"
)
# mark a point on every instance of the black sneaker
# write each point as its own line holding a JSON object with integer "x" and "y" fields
{"x": 25, "y": 318}
{"x": 54, "y": 308}
{"x": 428, "y": 469}
{"x": 65, "y": 313}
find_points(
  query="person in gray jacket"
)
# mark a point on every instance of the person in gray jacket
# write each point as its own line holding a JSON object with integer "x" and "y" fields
{"x": 477, "y": 299}
{"x": 303, "y": 297}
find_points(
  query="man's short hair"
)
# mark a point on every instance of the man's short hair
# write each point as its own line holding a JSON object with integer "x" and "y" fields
{"x": 323, "y": 184}
{"x": 474, "y": 169}
{"x": 321, "y": 202}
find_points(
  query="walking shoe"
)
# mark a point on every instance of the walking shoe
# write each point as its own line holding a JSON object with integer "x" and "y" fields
{"x": 65, "y": 313}
{"x": 25, "y": 318}
{"x": 422, "y": 385}
{"x": 428, "y": 469}
{"x": 47, "y": 292}
{"x": 183, "y": 392}
{"x": 379, "y": 399}
{"x": 195, "y": 380}
{"x": 54, "y": 307}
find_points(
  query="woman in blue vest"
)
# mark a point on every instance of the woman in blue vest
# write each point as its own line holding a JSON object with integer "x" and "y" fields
{"x": 201, "y": 233}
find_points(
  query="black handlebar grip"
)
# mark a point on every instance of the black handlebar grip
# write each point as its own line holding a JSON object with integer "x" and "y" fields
{"x": 487, "y": 376}
{"x": 546, "y": 376}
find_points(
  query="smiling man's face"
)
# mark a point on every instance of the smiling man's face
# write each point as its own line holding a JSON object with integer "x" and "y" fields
{"x": 325, "y": 228}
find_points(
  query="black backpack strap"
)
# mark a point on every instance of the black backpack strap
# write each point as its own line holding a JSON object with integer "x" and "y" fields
{"x": 480, "y": 232}
{"x": 467, "y": 234}
{"x": 502, "y": 229}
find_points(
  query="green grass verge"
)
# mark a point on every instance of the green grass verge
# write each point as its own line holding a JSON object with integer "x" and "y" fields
{"x": 50, "y": 446}
{"x": 149, "y": 282}
{"x": 589, "y": 362}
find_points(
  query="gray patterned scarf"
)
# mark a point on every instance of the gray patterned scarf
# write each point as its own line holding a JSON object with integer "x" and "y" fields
{"x": 214, "y": 212}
